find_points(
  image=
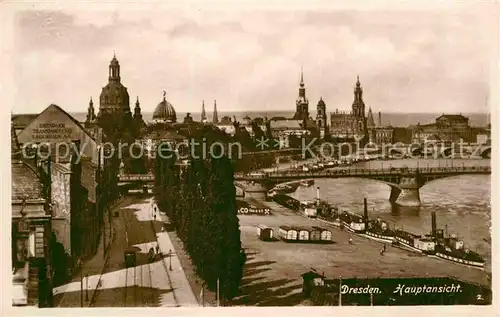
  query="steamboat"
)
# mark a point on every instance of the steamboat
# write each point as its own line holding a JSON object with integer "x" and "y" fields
{"x": 377, "y": 229}
{"x": 451, "y": 248}
{"x": 352, "y": 222}
{"x": 437, "y": 244}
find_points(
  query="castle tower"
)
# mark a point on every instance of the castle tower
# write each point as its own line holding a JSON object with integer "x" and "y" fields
{"x": 215, "y": 119}
{"x": 301, "y": 104}
{"x": 321, "y": 117}
{"x": 203, "y": 113}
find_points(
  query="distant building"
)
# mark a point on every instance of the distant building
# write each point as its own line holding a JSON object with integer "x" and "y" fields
{"x": 447, "y": 128}
{"x": 350, "y": 124}
{"x": 227, "y": 125}
{"x": 284, "y": 130}
{"x": 377, "y": 133}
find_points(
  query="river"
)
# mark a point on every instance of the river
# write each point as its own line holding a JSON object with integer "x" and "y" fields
{"x": 462, "y": 203}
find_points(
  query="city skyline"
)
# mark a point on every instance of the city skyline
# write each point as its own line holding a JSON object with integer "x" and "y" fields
{"x": 252, "y": 62}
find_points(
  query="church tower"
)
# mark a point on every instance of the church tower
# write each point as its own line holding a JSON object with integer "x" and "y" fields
{"x": 215, "y": 119}
{"x": 321, "y": 117}
{"x": 301, "y": 104}
{"x": 203, "y": 113}
{"x": 358, "y": 111}
{"x": 358, "y": 106}
{"x": 138, "y": 120}
{"x": 114, "y": 115}
{"x": 91, "y": 117}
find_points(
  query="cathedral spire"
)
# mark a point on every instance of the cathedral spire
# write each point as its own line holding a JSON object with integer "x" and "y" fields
{"x": 301, "y": 76}
{"x": 370, "y": 123}
{"x": 203, "y": 113}
{"x": 215, "y": 119}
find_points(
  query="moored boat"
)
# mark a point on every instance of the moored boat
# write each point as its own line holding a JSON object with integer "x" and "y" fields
{"x": 379, "y": 230}
{"x": 352, "y": 222}
{"x": 406, "y": 239}
{"x": 309, "y": 208}
{"x": 453, "y": 249}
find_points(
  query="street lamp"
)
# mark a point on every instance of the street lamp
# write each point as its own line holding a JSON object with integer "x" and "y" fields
{"x": 170, "y": 259}
{"x": 87, "y": 288}
{"x": 80, "y": 264}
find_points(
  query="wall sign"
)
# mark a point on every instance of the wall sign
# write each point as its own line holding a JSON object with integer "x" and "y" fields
{"x": 51, "y": 131}
{"x": 254, "y": 211}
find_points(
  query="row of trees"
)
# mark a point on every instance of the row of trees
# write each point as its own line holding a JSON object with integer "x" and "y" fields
{"x": 200, "y": 200}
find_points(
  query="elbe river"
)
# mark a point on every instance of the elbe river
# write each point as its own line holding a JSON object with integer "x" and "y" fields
{"x": 462, "y": 203}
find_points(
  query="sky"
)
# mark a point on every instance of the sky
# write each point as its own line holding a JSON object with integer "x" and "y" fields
{"x": 250, "y": 59}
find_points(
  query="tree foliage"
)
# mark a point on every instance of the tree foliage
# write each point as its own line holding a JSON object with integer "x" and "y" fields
{"x": 200, "y": 200}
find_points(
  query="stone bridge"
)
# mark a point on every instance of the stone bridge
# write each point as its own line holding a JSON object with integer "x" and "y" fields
{"x": 405, "y": 182}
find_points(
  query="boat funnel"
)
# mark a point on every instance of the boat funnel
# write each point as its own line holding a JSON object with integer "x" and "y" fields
{"x": 433, "y": 232}
{"x": 365, "y": 202}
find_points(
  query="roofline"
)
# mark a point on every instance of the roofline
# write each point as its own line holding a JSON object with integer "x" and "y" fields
{"x": 70, "y": 116}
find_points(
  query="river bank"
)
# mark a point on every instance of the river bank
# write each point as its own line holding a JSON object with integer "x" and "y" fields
{"x": 277, "y": 266}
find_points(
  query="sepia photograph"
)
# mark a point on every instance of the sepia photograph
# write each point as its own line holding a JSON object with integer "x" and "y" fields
{"x": 168, "y": 155}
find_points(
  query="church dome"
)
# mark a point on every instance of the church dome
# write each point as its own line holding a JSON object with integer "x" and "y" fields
{"x": 165, "y": 111}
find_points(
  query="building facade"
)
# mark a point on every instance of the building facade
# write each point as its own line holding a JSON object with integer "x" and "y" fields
{"x": 74, "y": 158}
{"x": 30, "y": 236}
{"x": 447, "y": 128}
{"x": 378, "y": 133}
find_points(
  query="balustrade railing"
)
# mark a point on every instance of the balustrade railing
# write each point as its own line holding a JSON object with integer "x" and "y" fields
{"x": 365, "y": 171}
{"x": 340, "y": 172}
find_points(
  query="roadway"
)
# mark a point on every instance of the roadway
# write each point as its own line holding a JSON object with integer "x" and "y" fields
{"x": 145, "y": 284}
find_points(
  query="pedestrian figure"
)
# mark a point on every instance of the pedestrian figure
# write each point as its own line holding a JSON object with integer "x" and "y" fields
{"x": 151, "y": 254}
{"x": 154, "y": 216}
{"x": 157, "y": 249}
{"x": 350, "y": 240}
{"x": 385, "y": 248}
{"x": 382, "y": 251}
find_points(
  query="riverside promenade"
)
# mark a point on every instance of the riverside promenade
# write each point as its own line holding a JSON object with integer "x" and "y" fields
{"x": 272, "y": 275}
{"x": 179, "y": 282}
